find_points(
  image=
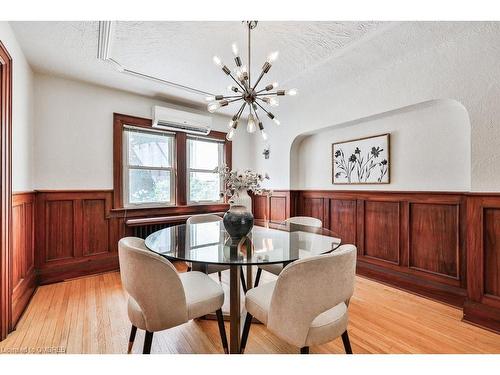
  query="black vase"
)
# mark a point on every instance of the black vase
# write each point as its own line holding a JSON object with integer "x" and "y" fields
{"x": 238, "y": 222}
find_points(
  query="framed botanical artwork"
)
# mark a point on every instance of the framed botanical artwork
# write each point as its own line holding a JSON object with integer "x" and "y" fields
{"x": 362, "y": 161}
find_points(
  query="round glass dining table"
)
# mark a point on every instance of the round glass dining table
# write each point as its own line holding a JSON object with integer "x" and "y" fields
{"x": 268, "y": 243}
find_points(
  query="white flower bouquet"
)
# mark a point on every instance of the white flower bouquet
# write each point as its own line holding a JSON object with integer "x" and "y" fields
{"x": 236, "y": 182}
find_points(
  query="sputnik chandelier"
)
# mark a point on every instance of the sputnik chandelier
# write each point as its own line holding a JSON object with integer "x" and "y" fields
{"x": 251, "y": 95}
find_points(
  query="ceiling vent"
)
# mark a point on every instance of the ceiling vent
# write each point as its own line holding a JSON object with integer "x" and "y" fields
{"x": 176, "y": 120}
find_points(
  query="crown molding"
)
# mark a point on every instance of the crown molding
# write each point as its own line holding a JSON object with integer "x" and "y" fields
{"x": 104, "y": 45}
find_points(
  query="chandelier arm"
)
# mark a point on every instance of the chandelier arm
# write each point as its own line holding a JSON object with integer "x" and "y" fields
{"x": 259, "y": 91}
{"x": 256, "y": 115}
{"x": 267, "y": 112}
{"x": 235, "y": 80}
{"x": 240, "y": 112}
{"x": 231, "y": 96}
{"x": 234, "y": 100}
{"x": 258, "y": 80}
{"x": 266, "y": 93}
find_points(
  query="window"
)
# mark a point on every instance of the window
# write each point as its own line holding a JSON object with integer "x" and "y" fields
{"x": 203, "y": 156}
{"x": 166, "y": 170}
{"x": 148, "y": 167}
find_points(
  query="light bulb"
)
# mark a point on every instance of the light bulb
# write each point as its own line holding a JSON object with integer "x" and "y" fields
{"x": 238, "y": 73}
{"x": 292, "y": 92}
{"x": 272, "y": 57}
{"x": 251, "y": 124}
{"x": 213, "y": 106}
{"x": 234, "y": 47}
{"x": 276, "y": 121}
{"x": 230, "y": 135}
{"x": 264, "y": 135}
{"x": 210, "y": 98}
{"x": 241, "y": 73}
{"x": 218, "y": 61}
{"x": 273, "y": 102}
{"x": 271, "y": 86}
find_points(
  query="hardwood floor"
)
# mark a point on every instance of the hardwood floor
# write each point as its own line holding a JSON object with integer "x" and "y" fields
{"x": 88, "y": 315}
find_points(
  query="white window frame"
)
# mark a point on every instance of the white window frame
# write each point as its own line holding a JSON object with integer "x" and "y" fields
{"x": 221, "y": 145}
{"x": 127, "y": 167}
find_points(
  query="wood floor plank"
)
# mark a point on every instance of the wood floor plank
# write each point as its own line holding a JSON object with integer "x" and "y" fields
{"x": 89, "y": 315}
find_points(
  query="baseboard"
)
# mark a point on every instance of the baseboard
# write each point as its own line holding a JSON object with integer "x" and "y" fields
{"x": 482, "y": 315}
{"x": 22, "y": 294}
{"x": 440, "y": 292}
{"x": 81, "y": 267}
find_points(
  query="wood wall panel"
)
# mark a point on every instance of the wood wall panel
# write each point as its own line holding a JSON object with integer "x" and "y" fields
{"x": 259, "y": 207}
{"x": 95, "y": 227}
{"x": 483, "y": 267}
{"x": 343, "y": 219}
{"x": 277, "y": 209}
{"x": 313, "y": 207}
{"x": 492, "y": 251}
{"x": 23, "y": 247}
{"x": 18, "y": 243}
{"x": 76, "y": 234}
{"x": 381, "y": 231}
{"x": 60, "y": 241}
{"x": 434, "y": 238}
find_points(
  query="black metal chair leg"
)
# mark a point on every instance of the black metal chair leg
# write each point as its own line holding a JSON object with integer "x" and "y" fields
{"x": 220, "y": 276}
{"x": 243, "y": 281}
{"x": 304, "y": 350}
{"x": 148, "y": 340}
{"x": 133, "y": 331}
{"x": 246, "y": 331}
{"x": 222, "y": 330}
{"x": 257, "y": 277}
{"x": 347, "y": 343}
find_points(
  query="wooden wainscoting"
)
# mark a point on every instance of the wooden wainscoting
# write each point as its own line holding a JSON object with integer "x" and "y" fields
{"x": 75, "y": 234}
{"x": 275, "y": 208}
{"x": 23, "y": 252}
{"x": 411, "y": 240}
{"x": 483, "y": 261}
{"x": 445, "y": 246}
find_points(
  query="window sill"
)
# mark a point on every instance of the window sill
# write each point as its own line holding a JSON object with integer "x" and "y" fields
{"x": 190, "y": 209}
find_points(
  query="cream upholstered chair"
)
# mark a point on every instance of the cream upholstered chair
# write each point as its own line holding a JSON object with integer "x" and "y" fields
{"x": 307, "y": 304}
{"x": 276, "y": 269}
{"x": 159, "y": 297}
{"x": 213, "y": 268}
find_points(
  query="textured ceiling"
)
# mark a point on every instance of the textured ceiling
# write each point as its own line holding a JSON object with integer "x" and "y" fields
{"x": 181, "y": 52}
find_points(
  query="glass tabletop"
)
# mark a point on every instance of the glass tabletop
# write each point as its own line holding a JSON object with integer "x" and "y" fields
{"x": 267, "y": 243}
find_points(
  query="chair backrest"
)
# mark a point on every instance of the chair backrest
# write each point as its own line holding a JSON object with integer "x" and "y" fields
{"x": 152, "y": 281}
{"x": 309, "y": 287}
{"x": 305, "y": 220}
{"x": 205, "y": 218}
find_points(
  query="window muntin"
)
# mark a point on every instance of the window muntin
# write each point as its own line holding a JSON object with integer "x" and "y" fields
{"x": 204, "y": 155}
{"x": 148, "y": 167}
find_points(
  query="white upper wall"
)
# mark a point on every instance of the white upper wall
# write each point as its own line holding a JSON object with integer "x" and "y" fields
{"x": 407, "y": 64}
{"x": 22, "y": 113}
{"x": 430, "y": 149}
{"x": 74, "y": 132}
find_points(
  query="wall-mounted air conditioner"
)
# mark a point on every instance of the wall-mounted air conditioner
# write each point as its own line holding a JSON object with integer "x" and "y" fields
{"x": 177, "y": 120}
